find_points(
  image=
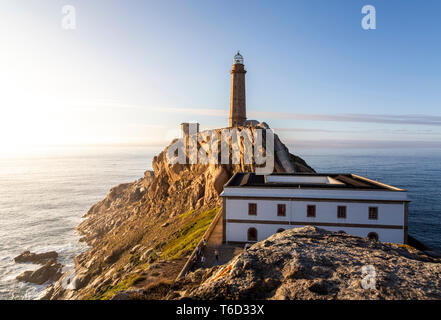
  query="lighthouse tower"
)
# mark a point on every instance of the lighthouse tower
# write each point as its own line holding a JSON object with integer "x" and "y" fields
{"x": 238, "y": 114}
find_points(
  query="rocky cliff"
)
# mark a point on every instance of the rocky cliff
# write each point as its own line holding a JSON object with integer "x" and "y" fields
{"x": 311, "y": 263}
{"x": 143, "y": 231}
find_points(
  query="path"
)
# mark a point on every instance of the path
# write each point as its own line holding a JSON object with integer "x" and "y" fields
{"x": 226, "y": 251}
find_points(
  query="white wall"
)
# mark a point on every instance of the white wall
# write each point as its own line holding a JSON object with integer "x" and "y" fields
{"x": 388, "y": 214}
{"x": 239, "y": 231}
{"x": 356, "y": 213}
{"x": 266, "y": 209}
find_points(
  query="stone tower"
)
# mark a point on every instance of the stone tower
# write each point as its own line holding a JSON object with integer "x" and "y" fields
{"x": 238, "y": 114}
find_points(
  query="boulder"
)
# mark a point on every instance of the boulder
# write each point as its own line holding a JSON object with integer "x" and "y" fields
{"x": 36, "y": 258}
{"x": 220, "y": 178}
{"x": 251, "y": 123}
{"x": 51, "y": 271}
{"x": 310, "y": 263}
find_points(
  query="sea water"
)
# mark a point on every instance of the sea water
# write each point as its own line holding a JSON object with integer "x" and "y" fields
{"x": 44, "y": 196}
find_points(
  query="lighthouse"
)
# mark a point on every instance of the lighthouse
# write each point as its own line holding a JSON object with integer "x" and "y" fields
{"x": 237, "y": 103}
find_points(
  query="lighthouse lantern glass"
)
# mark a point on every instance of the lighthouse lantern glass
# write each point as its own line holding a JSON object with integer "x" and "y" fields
{"x": 238, "y": 59}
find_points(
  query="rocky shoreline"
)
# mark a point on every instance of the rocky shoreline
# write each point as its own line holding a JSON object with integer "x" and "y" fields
{"x": 50, "y": 271}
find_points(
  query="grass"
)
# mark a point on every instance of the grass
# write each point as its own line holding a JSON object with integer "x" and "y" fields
{"x": 110, "y": 291}
{"x": 190, "y": 234}
{"x": 153, "y": 257}
{"x": 184, "y": 241}
{"x": 186, "y": 215}
{"x": 135, "y": 259}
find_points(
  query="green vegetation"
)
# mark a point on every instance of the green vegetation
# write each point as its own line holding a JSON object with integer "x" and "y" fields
{"x": 135, "y": 259}
{"x": 184, "y": 241}
{"x": 110, "y": 291}
{"x": 153, "y": 257}
{"x": 188, "y": 237}
{"x": 187, "y": 214}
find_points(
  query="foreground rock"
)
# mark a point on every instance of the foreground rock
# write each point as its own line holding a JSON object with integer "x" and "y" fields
{"x": 37, "y": 258}
{"x": 311, "y": 263}
{"x": 50, "y": 271}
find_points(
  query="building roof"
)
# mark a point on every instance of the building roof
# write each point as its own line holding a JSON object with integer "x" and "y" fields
{"x": 308, "y": 181}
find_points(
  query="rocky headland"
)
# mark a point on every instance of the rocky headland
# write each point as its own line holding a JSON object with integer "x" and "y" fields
{"x": 142, "y": 232}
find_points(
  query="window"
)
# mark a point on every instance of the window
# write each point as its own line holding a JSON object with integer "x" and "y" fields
{"x": 280, "y": 230}
{"x": 252, "y": 209}
{"x": 373, "y": 213}
{"x": 373, "y": 236}
{"x": 310, "y": 211}
{"x": 281, "y": 210}
{"x": 252, "y": 234}
{"x": 341, "y": 212}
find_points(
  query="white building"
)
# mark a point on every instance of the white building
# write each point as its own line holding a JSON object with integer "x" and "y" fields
{"x": 255, "y": 207}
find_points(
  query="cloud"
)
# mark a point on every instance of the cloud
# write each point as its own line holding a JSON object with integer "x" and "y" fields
{"x": 312, "y": 130}
{"x": 98, "y": 104}
{"x": 362, "y": 144}
{"x": 403, "y": 119}
{"x": 363, "y": 131}
{"x": 411, "y": 119}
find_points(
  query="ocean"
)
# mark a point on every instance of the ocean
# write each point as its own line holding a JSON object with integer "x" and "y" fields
{"x": 44, "y": 196}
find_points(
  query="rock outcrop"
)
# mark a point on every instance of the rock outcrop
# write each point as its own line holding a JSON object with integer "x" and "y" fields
{"x": 312, "y": 263}
{"x": 37, "y": 258}
{"x": 50, "y": 271}
{"x": 139, "y": 223}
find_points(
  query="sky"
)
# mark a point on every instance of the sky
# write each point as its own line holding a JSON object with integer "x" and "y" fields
{"x": 132, "y": 71}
